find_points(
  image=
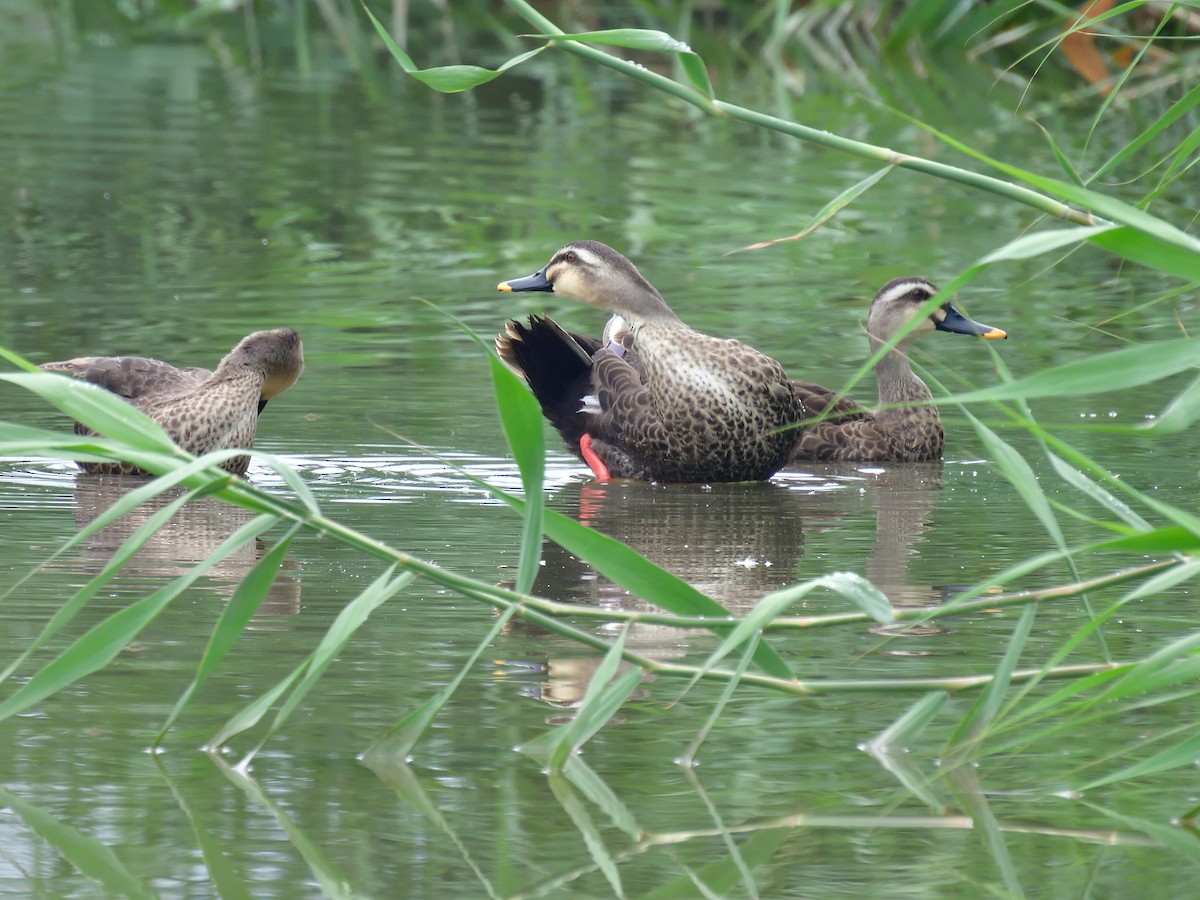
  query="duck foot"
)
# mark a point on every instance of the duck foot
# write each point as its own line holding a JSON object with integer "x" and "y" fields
{"x": 599, "y": 469}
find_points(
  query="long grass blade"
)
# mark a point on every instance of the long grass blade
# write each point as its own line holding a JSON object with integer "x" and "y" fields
{"x": 396, "y": 774}
{"x": 348, "y": 621}
{"x": 244, "y": 603}
{"x": 92, "y": 858}
{"x": 905, "y": 730}
{"x": 605, "y": 694}
{"x": 402, "y": 737}
{"x": 721, "y": 877}
{"x": 100, "y": 646}
{"x": 583, "y": 823}
{"x": 829, "y": 210}
{"x": 594, "y": 788}
{"x": 521, "y": 419}
{"x": 1113, "y": 371}
{"x": 1172, "y": 114}
{"x": 227, "y": 878}
{"x": 96, "y": 408}
{"x": 333, "y": 884}
{"x": 445, "y": 79}
{"x": 850, "y": 585}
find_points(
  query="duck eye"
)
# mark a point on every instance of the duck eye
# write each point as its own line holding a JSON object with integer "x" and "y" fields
{"x": 570, "y": 256}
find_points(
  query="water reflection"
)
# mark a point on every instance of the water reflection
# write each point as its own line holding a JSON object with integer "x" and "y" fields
{"x": 735, "y": 543}
{"x": 739, "y": 542}
{"x": 902, "y": 497}
{"x": 195, "y": 532}
{"x": 732, "y": 542}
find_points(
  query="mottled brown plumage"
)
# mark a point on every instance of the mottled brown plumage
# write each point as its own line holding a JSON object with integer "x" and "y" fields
{"x": 906, "y": 428}
{"x": 689, "y": 408}
{"x": 201, "y": 410}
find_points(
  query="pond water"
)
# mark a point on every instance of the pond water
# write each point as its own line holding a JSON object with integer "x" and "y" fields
{"x": 163, "y": 200}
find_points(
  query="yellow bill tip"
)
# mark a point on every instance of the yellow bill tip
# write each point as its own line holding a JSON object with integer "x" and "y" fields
{"x": 994, "y": 334}
{"x": 504, "y": 286}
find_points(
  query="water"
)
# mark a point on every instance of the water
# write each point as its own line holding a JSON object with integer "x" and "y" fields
{"x": 165, "y": 202}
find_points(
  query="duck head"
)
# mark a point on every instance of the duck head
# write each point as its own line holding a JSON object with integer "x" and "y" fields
{"x": 901, "y": 299}
{"x": 595, "y": 274}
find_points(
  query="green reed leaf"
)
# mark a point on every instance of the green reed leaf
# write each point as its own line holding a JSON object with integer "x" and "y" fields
{"x": 1090, "y": 488}
{"x": 252, "y": 713}
{"x": 597, "y": 791}
{"x": 1182, "y": 754}
{"x": 628, "y": 38}
{"x": 1181, "y": 840}
{"x": 99, "y": 646}
{"x": 1155, "y": 542}
{"x": 1063, "y": 162}
{"x": 1113, "y": 371}
{"x": 1180, "y": 413}
{"x": 851, "y": 586}
{"x": 348, "y": 621}
{"x": 563, "y": 793}
{"x": 1038, "y": 242}
{"x": 446, "y": 79}
{"x": 246, "y": 599}
{"x": 1169, "y": 117}
{"x": 722, "y": 877}
{"x": 1145, "y": 238}
{"x": 829, "y": 210}
{"x": 645, "y": 39}
{"x": 902, "y": 733}
{"x": 96, "y": 408}
{"x": 521, "y": 419}
{"x": 92, "y": 858}
{"x": 402, "y": 737}
{"x": 1164, "y": 581}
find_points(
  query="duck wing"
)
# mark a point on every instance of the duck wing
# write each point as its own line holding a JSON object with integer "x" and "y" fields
{"x": 135, "y": 378}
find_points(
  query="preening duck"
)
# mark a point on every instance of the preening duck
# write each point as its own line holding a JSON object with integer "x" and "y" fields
{"x": 200, "y": 410}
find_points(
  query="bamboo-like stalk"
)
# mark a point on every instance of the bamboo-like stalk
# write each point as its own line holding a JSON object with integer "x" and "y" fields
{"x": 546, "y": 614}
{"x": 714, "y": 107}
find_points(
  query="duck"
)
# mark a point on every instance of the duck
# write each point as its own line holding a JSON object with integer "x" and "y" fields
{"x": 905, "y": 427}
{"x": 653, "y": 399}
{"x": 201, "y": 410}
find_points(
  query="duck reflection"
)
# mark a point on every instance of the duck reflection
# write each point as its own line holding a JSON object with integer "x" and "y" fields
{"x": 734, "y": 543}
{"x": 902, "y": 497}
{"x": 192, "y": 534}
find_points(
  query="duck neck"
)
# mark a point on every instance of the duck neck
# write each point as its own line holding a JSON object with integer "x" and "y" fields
{"x": 896, "y": 379}
{"x": 642, "y": 306}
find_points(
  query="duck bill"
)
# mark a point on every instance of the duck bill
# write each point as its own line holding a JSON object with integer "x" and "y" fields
{"x": 535, "y": 282}
{"x": 956, "y": 323}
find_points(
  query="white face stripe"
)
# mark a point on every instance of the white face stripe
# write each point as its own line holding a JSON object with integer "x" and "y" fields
{"x": 901, "y": 288}
{"x": 584, "y": 257}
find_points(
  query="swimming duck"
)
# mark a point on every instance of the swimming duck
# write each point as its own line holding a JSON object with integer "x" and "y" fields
{"x": 686, "y": 407}
{"x": 906, "y": 428}
{"x": 200, "y": 410}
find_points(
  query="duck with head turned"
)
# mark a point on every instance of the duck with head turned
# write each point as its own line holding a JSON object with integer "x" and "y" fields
{"x": 200, "y": 410}
{"x": 906, "y": 427}
{"x": 685, "y": 407}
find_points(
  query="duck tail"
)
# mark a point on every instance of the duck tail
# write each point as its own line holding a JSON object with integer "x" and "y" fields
{"x": 557, "y": 365}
